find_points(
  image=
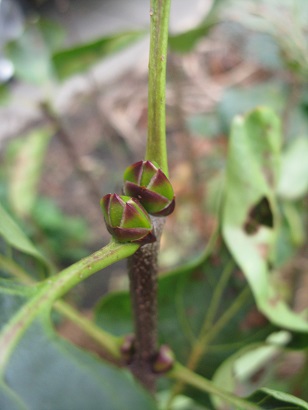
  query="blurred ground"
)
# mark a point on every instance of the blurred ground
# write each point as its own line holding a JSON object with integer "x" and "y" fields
{"x": 82, "y": 22}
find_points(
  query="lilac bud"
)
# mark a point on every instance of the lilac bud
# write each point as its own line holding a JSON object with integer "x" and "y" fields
{"x": 147, "y": 182}
{"x": 163, "y": 360}
{"x": 126, "y": 219}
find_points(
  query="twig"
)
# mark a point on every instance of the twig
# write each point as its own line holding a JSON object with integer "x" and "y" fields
{"x": 143, "y": 266}
{"x": 143, "y": 270}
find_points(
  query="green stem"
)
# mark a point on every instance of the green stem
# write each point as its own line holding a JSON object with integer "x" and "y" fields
{"x": 193, "y": 265}
{"x": 186, "y": 376}
{"x": 143, "y": 265}
{"x": 109, "y": 342}
{"x": 216, "y": 298}
{"x": 55, "y": 287}
{"x": 156, "y": 142}
{"x": 224, "y": 319}
{"x": 201, "y": 345}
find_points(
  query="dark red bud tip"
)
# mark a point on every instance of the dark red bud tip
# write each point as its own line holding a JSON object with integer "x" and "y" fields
{"x": 166, "y": 211}
{"x": 163, "y": 360}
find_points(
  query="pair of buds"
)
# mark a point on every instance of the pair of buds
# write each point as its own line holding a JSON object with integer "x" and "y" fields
{"x": 147, "y": 190}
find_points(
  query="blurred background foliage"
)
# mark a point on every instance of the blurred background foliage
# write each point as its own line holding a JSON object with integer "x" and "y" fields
{"x": 73, "y": 116}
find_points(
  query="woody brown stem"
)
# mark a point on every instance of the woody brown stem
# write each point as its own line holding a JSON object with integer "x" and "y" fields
{"x": 143, "y": 269}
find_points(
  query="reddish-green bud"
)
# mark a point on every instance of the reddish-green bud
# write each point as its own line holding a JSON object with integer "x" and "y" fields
{"x": 126, "y": 219}
{"x": 128, "y": 348}
{"x": 164, "y": 360}
{"x": 147, "y": 182}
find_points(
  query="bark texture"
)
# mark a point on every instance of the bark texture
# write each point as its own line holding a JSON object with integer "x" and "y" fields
{"x": 143, "y": 272}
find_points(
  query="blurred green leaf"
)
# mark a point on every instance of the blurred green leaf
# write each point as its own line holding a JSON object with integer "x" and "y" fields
{"x": 180, "y": 402}
{"x": 80, "y": 58}
{"x": 52, "y": 33}
{"x": 289, "y": 234}
{"x": 294, "y": 218}
{"x": 293, "y": 182}
{"x": 30, "y": 53}
{"x": 13, "y": 235}
{"x": 9, "y": 400}
{"x": 269, "y": 399}
{"x": 263, "y": 50}
{"x": 12, "y": 296}
{"x": 185, "y": 42}
{"x": 250, "y": 210}
{"x": 4, "y": 94}
{"x": 299, "y": 341}
{"x": 238, "y": 101}
{"x": 215, "y": 191}
{"x": 204, "y": 124}
{"x": 25, "y": 157}
{"x": 274, "y": 94}
{"x": 47, "y": 372}
{"x": 65, "y": 235}
{"x": 238, "y": 372}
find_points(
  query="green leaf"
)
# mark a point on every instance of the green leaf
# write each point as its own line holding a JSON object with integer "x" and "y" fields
{"x": 299, "y": 341}
{"x": 269, "y": 399}
{"x": 80, "y": 58}
{"x": 47, "y": 371}
{"x": 180, "y": 402}
{"x": 293, "y": 181}
{"x": 250, "y": 216}
{"x": 238, "y": 371}
{"x": 291, "y": 233}
{"x": 263, "y": 49}
{"x": 30, "y": 53}
{"x": 52, "y": 33}
{"x": 66, "y": 235}
{"x": 205, "y": 125}
{"x": 4, "y": 94}
{"x": 13, "y": 235}
{"x": 185, "y": 42}
{"x": 113, "y": 313}
{"x": 9, "y": 400}
{"x": 26, "y": 156}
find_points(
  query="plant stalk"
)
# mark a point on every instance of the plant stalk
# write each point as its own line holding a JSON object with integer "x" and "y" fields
{"x": 143, "y": 265}
{"x": 208, "y": 334}
{"x": 156, "y": 143}
{"x": 110, "y": 343}
{"x": 186, "y": 376}
{"x": 143, "y": 270}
